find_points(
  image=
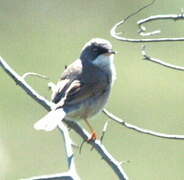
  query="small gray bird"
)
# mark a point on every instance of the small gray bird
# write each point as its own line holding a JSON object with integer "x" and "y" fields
{"x": 84, "y": 86}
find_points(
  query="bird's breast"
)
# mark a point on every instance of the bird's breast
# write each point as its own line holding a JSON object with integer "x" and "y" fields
{"x": 89, "y": 107}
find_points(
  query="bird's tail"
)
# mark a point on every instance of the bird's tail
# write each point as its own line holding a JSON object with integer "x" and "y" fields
{"x": 50, "y": 121}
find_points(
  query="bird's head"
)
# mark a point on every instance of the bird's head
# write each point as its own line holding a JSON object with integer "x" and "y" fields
{"x": 97, "y": 50}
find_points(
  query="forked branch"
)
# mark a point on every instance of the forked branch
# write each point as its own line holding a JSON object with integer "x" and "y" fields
{"x": 71, "y": 173}
{"x": 142, "y": 28}
{"x": 160, "y": 62}
{"x": 141, "y": 130}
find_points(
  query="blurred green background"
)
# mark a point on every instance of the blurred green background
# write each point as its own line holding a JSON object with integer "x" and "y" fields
{"x": 43, "y": 36}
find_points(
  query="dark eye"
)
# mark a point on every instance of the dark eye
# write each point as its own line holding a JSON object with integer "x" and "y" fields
{"x": 95, "y": 49}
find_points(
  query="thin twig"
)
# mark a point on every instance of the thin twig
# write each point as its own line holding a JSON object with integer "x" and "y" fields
{"x": 100, "y": 148}
{"x": 25, "y": 86}
{"x": 104, "y": 130}
{"x": 161, "y": 17}
{"x": 69, "y": 152}
{"x": 142, "y": 27}
{"x": 142, "y": 33}
{"x": 26, "y": 75}
{"x": 158, "y": 61}
{"x": 81, "y": 146}
{"x": 141, "y": 130}
{"x": 71, "y": 174}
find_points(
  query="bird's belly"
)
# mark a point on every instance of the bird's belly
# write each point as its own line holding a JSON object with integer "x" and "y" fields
{"x": 88, "y": 108}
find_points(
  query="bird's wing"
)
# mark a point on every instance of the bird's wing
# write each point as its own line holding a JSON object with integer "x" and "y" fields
{"x": 80, "y": 91}
{"x": 78, "y": 83}
{"x": 69, "y": 75}
{"x": 91, "y": 83}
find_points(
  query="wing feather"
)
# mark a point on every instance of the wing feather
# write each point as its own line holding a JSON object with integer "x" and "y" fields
{"x": 78, "y": 84}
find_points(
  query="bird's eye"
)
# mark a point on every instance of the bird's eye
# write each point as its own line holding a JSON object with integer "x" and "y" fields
{"x": 95, "y": 49}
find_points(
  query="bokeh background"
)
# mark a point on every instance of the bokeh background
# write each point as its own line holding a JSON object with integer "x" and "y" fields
{"x": 43, "y": 36}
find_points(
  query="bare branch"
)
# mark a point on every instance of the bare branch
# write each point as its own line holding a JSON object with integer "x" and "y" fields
{"x": 157, "y": 17}
{"x": 141, "y": 130}
{"x": 24, "y": 76}
{"x": 23, "y": 84}
{"x": 140, "y": 23}
{"x": 104, "y": 130}
{"x": 71, "y": 174}
{"x": 146, "y": 57}
{"x": 106, "y": 156}
{"x": 158, "y": 61}
{"x": 143, "y": 33}
{"x": 114, "y": 164}
{"x": 69, "y": 152}
{"x": 161, "y": 17}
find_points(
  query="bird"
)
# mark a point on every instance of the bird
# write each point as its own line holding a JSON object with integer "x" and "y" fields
{"x": 83, "y": 88}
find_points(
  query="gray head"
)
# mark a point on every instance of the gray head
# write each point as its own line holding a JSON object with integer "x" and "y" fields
{"x": 94, "y": 48}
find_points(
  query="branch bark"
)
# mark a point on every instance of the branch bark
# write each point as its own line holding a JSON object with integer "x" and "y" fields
{"x": 160, "y": 62}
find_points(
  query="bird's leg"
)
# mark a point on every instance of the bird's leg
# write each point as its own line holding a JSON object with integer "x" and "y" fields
{"x": 93, "y": 133}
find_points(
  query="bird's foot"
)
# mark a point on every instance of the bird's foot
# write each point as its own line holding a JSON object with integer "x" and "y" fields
{"x": 93, "y": 137}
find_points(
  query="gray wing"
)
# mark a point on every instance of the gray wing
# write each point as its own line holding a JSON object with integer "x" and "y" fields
{"x": 78, "y": 83}
{"x": 82, "y": 91}
{"x": 73, "y": 71}
{"x": 70, "y": 74}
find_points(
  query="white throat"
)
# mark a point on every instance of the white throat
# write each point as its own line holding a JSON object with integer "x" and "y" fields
{"x": 106, "y": 63}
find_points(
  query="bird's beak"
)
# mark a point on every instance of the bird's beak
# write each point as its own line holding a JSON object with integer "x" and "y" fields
{"x": 111, "y": 51}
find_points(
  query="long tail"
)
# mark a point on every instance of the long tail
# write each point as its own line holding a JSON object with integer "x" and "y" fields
{"x": 50, "y": 121}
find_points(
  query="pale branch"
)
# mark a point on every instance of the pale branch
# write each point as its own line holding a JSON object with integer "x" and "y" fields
{"x": 113, "y": 163}
{"x": 161, "y": 17}
{"x": 69, "y": 150}
{"x": 100, "y": 148}
{"x": 158, "y": 61}
{"x": 157, "y": 17}
{"x": 141, "y": 130}
{"x": 104, "y": 130}
{"x": 146, "y": 57}
{"x": 26, "y": 75}
{"x": 24, "y": 85}
{"x": 115, "y": 35}
{"x": 140, "y": 23}
{"x": 143, "y": 33}
{"x": 71, "y": 174}
{"x": 46, "y": 104}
